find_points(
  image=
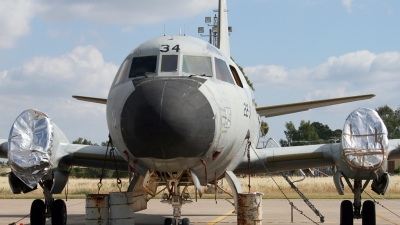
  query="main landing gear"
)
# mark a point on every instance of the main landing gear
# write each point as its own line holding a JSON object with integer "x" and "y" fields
{"x": 350, "y": 211}
{"x": 40, "y": 210}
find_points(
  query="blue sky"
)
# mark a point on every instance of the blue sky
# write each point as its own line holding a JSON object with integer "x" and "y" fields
{"x": 291, "y": 50}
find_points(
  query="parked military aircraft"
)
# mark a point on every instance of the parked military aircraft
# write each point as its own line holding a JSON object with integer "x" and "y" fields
{"x": 180, "y": 113}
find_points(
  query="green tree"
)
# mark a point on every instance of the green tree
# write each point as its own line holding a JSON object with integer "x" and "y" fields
{"x": 307, "y": 132}
{"x": 397, "y": 171}
{"x": 323, "y": 131}
{"x": 391, "y": 119}
{"x": 283, "y": 143}
{"x": 264, "y": 128}
{"x": 290, "y": 132}
{"x": 83, "y": 141}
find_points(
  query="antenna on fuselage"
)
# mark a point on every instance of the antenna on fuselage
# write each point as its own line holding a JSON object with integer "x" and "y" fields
{"x": 164, "y": 29}
{"x": 219, "y": 36}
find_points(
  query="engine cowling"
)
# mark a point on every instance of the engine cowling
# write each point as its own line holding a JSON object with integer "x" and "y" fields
{"x": 364, "y": 141}
{"x": 364, "y": 146}
{"x": 32, "y": 146}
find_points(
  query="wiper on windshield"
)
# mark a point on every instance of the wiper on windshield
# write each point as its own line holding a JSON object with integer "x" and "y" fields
{"x": 201, "y": 75}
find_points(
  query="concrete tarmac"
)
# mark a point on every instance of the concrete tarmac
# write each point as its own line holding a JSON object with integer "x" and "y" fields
{"x": 205, "y": 211}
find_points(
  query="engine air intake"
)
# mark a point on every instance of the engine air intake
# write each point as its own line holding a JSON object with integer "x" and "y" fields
{"x": 364, "y": 140}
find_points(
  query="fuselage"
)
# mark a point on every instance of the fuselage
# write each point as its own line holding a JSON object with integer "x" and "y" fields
{"x": 178, "y": 103}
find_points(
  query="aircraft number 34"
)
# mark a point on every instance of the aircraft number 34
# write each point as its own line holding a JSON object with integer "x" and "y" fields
{"x": 166, "y": 48}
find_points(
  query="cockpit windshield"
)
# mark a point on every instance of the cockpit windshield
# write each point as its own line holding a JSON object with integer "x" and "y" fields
{"x": 197, "y": 65}
{"x": 142, "y": 66}
{"x": 169, "y": 63}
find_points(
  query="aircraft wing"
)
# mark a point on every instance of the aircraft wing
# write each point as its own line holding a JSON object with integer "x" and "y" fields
{"x": 300, "y": 157}
{"x": 65, "y": 155}
{"x": 276, "y": 110}
{"x": 90, "y": 99}
{"x": 288, "y": 158}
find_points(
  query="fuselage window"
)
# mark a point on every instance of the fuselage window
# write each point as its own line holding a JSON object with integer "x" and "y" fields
{"x": 222, "y": 71}
{"x": 197, "y": 65}
{"x": 169, "y": 63}
{"x": 236, "y": 76}
{"x": 142, "y": 66}
{"x": 123, "y": 71}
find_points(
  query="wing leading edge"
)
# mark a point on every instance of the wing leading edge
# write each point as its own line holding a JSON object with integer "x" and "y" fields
{"x": 277, "y": 110}
{"x": 90, "y": 99}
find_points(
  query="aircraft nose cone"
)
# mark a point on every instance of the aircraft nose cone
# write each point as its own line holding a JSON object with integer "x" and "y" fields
{"x": 166, "y": 118}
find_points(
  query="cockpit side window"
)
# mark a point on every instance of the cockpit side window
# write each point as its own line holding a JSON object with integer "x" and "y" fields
{"x": 222, "y": 71}
{"x": 142, "y": 66}
{"x": 236, "y": 76}
{"x": 169, "y": 63}
{"x": 197, "y": 65}
{"x": 123, "y": 71}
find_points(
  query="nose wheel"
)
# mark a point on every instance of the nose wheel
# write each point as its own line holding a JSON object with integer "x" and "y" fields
{"x": 169, "y": 221}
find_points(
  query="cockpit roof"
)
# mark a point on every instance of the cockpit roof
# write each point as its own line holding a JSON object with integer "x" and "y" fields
{"x": 187, "y": 45}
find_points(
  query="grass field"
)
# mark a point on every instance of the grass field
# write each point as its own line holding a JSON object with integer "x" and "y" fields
{"x": 311, "y": 187}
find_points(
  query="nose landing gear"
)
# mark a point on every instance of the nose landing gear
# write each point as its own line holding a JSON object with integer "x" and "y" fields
{"x": 169, "y": 221}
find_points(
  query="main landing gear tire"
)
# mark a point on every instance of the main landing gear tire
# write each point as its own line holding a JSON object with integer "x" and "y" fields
{"x": 168, "y": 221}
{"x": 368, "y": 213}
{"x": 346, "y": 213}
{"x": 38, "y": 209}
{"x": 58, "y": 213}
{"x": 185, "y": 221}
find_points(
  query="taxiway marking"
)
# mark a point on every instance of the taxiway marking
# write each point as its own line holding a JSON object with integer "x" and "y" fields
{"x": 386, "y": 219}
{"x": 221, "y": 218}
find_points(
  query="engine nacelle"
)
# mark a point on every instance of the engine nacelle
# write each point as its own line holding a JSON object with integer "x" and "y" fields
{"x": 32, "y": 145}
{"x": 364, "y": 145}
{"x": 364, "y": 141}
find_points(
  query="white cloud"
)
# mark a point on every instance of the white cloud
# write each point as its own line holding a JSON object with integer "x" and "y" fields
{"x": 15, "y": 16}
{"x": 348, "y": 4}
{"x": 47, "y": 84}
{"x": 120, "y": 11}
{"x": 349, "y": 74}
{"x": 81, "y": 70}
{"x": 267, "y": 74}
